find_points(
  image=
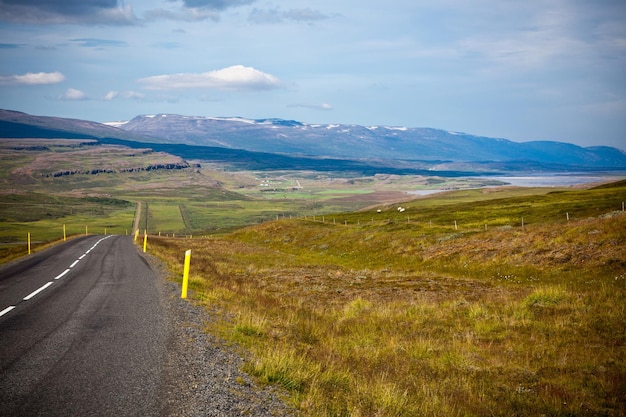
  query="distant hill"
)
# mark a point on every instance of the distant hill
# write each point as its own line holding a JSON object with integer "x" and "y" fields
{"x": 14, "y": 124}
{"x": 374, "y": 142}
{"x": 289, "y": 144}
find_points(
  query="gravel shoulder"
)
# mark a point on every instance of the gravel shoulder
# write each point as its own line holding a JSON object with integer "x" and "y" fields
{"x": 201, "y": 373}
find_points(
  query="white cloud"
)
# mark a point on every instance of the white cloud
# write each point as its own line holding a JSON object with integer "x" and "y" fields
{"x": 128, "y": 95}
{"x": 33, "y": 78}
{"x": 73, "y": 94}
{"x": 111, "y": 95}
{"x": 236, "y": 77}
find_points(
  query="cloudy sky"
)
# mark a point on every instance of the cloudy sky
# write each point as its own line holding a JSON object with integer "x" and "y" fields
{"x": 522, "y": 70}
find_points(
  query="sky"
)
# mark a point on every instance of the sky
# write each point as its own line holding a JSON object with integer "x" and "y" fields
{"x": 521, "y": 70}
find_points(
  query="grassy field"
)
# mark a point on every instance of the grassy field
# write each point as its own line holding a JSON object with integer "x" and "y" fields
{"x": 42, "y": 182}
{"x": 397, "y": 317}
{"x": 498, "y": 301}
{"x": 45, "y": 216}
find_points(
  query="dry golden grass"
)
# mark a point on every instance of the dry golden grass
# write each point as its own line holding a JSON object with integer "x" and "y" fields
{"x": 360, "y": 321}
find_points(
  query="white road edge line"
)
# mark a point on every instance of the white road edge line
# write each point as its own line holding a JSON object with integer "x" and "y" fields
{"x": 34, "y": 293}
{"x": 6, "y": 310}
{"x": 62, "y": 273}
{"x": 82, "y": 256}
{"x": 74, "y": 264}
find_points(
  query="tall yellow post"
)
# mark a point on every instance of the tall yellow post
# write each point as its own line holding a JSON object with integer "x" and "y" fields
{"x": 64, "y": 234}
{"x": 145, "y": 241}
{"x": 186, "y": 273}
{"x": 29, "y": 243}
{"x": 136, "y": 234}
{"x": 86, "y": 231}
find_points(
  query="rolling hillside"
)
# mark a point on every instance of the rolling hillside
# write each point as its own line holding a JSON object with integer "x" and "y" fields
{"x": 468, "y": 303}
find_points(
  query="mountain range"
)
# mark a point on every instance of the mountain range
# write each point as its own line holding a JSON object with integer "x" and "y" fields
{"x": 390, "y": 146}
{"x": 364, "y": 142}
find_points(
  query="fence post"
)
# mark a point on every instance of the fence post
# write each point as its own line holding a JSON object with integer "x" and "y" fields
{"x": 186, "y": 274}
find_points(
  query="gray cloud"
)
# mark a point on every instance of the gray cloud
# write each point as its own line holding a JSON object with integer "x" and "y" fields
{"x": 98, "y": 43}
{"x": 65, "y": 6}
{"x": 304, "y": 15}
{"x": 67, "y": 11}
{"x": 216, "y": 4}
{"x": 184, "y": 15}
{"x": 276, "y": 15}
{"x": 323, "y": 106}
{"x": 195, "y": 10}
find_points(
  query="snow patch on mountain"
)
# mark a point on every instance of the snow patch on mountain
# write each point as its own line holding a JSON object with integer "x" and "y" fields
{"x": 116, "y": 123}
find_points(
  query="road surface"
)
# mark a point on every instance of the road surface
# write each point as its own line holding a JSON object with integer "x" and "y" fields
{"x": 82, "y": 332}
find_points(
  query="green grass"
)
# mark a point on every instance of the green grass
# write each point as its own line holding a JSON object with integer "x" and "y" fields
{"x": 44, "y": 216}
{"x": 396, "y": 318}
{"x": 165, "y": 217}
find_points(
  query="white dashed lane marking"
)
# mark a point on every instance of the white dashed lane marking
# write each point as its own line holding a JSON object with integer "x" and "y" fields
{"x": 6, "y": 310}
{"x": 34, "y": 293}
{"x": 61, "y": 275}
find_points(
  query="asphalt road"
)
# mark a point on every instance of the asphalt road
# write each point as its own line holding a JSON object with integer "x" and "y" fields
{"x": 82, "y": 332}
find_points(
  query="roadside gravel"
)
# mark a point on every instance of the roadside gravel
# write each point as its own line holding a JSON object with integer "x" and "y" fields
{"x": 201, "y": 374}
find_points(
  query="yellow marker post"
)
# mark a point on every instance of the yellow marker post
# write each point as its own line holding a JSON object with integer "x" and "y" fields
{"x": 29, "y": 243}
{"x": 64, "y": 234}
{"x": 145, "y": 241}
{"x": 186, "y": 273}
{"x": 86, "y": 231}
{"x": 136, "y": 234}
